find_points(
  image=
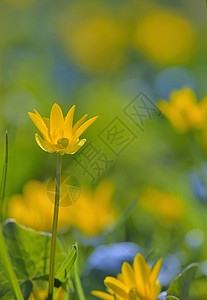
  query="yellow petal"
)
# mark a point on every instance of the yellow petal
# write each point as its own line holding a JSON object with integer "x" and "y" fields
{"x": 78, "y": 124}
{"x": 69, "y": 123}
{"x": 44, "y": 145}
{"x": 47, "y": 123}
{"x": 71, "y": 149}
{"x": 46, "y": 120}
{"x": 83, "y": 127}
{"x": 56, "y": 123}
{"x": 128, "y": 275}
{"x": 37, "y": 113}
{"x": 119, "y": 288}
{"x": 40, "y": 124}
{"x": 102, "y": 295}
{"x": 155, "y": 271}
{"x": 141, "y": 275}
{"x": 120, "y": 277}
{"x": 156, "y": 290}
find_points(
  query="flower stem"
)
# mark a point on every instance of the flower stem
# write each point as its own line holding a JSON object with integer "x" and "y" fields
{"x": 4, "y": 176}
{"x": 54, "y": 228}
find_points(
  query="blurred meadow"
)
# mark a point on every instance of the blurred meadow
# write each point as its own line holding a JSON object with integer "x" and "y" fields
{"x": 140, "y": 181}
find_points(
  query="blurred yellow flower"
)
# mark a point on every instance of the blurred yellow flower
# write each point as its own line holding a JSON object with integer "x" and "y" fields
{"x": 183, "y": 110}
{"x": 96, "y": 43}
{"x": 60, "y": 294}
{"x": 59, "y": 134}
{"x": 42, "y": 295}
{"x": 165, "y": 37}
{"x": 138, "y": 282}
{"x": 166, "y": 206}
{"x": 93, "y": 212}
{"x": 34, "y": 209}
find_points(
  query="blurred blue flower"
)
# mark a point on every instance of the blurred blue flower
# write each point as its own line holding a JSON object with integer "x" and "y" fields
{"x": 109, "y": 258}
{"x": 198, "y": 184}
{"x": 162, "y": 296}
{"x": 171, "y": 266}
{"x": 171, "y": 79}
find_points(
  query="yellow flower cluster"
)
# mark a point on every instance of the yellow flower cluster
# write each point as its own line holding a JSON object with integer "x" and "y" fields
{"x": 92, "y": 213}
{"x": 99, "y": 42}
{"x": 137, "y": 282}
{"x": 59, "y": 134}
{"x": 183, "y": 111}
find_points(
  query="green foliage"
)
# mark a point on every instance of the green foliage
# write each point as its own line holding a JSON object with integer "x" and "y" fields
{"x": 179, "y": 288}
{"x": 29, "y": 253}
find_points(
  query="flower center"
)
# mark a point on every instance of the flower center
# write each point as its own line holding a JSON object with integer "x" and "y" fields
{"x": 63, "y": 143}
{"x": 133, "y": 295}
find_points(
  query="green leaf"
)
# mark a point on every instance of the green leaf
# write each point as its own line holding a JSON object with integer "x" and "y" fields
{"x": 26, "y": 289}
{"x": 61, "y": 273}
{"x": 29, "y": 252}
{"x": 9, "y": 276}
{"x": 179, "y": 288}
{"x": 80, "y": 291}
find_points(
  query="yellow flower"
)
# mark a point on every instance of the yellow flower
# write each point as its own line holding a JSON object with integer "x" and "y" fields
{"x": 165, "y": 37}
{"x": 59, "y": 134}
{"x": 97, "y": 44}
{"x": 93, "y": 212}
{"x": 34, "y": 209}
{"x": 138, "y": 282}
{"x": 183, "y": 111}
{"x": 166, "y": 206}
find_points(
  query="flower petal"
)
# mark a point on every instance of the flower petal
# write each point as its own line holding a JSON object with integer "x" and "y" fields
{"x": 102, "y": 295}
{"x": 83, "y": 127}
{"x": 71, "y": 149}
{"x": 69, "y": 123}
{"x": 156, "y": 290}
{"x": 56, "y": 123}
{"x": 141, "y": 275}
{"x": 47, "y": 123}
{"x": 118, "y": 287}
{"x": 128, "y": 275}
{"x": 40, "y": 124}
{"x": 78, "y": 124}
{"x": 155, "y": 271}
{"x": 44, "y": 145}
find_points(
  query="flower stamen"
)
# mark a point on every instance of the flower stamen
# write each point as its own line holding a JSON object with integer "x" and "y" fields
{"x": 63, "y": 143}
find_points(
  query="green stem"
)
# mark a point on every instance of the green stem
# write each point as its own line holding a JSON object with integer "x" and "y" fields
{"x": 78, "y": 284}
{"x": 54, "y": 228}
{"x": 4, "y": 175}
{"x": 7, "y": 266}
{"x": 4, "y": 256}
